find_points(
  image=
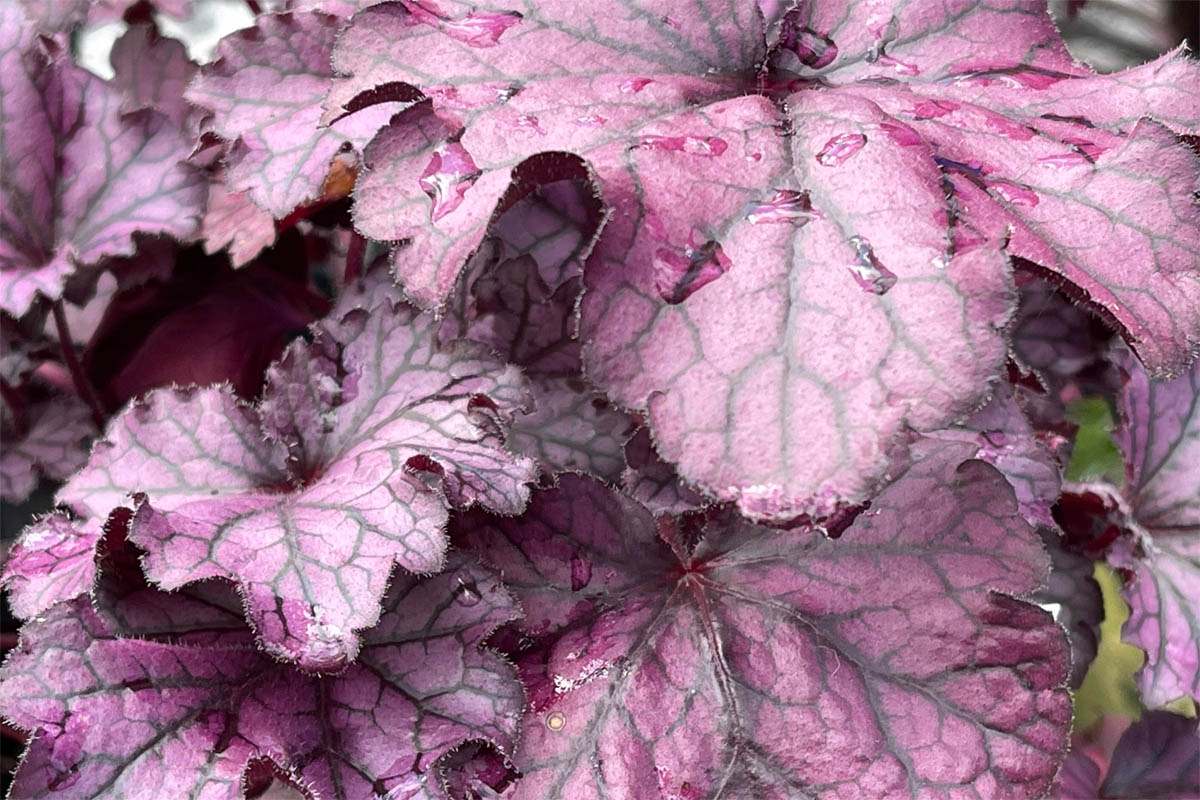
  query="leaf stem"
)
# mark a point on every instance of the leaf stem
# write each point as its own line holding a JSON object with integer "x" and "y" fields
{"x": 354, "y": 259}
{"x": 83, "y": 387}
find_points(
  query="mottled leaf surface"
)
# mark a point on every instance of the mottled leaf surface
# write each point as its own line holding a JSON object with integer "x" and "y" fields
{"x": 775, "y": 664}
{"x": 265, "y": 90}
{"x": 1160, "y": 437}
{"x": 1004, "y": 438}
{"x": 371, "y": 433}
{"x": 712, "y": 302}
{"x": 79, "y": 176}
{"x": 160, "y": 695}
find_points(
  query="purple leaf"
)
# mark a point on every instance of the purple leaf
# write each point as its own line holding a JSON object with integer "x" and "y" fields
{"x": 54, "y": 560}
{"x": 49, "y": 438}
{"x": 653, "y": 483}
{"x": 372, "y": 434}
{"x": 201, "y": 322}
{"x": 1160, "y": 437}
{"x": 80, "y": 177}
{"x": 265, "y": 90}
{"x": 125, "y": 703}
{"x": 1055, "y": 337}
{"x": 507, "y": 302}
{"x": 1004, "y": 438}
{"x": 153, "y": 70}
{"x": 752, "y": 229}
{"x": 891, "y": 661}
{"x": 1158, "y": 756}
{"x": 231, "y": 220}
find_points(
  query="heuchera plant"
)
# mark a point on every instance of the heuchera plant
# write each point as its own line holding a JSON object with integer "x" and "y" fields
{"x": 537, "y": 399}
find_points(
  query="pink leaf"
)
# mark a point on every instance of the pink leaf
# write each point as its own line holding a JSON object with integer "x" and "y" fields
{"x": 159, "y": 695}
{"x": 373, "y": 433}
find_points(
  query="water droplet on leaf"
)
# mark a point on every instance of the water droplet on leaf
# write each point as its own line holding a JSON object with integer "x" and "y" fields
{"x": 677, "y": 276}
{"x": 871, "y": 275}
{"x": 1014, "y": 194}
{"x": 450, "y": 172}
{"x": 556, "y": 721}
{"x": 785, "y": 205}
{"x": 635, "y": 85}
{"x": 467, "y": 593}
{"x": 530, "y": 123}
{"x": 707, "y": 146}
{"x": 840, "y": 148}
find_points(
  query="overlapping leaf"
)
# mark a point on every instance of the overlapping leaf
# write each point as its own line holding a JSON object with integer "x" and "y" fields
{"x": 265, "y": 90}
{"x": 161, "y": 695}
{"x": 153, "y": 70}
{"x": 372, "y": 432}
{"x": 79, "y": 176}
{"x": 48, "y": 438}
{"x": 784, "y": 283}
{"x": 775, "y": 664}
{"x": 1160, "y": 436}
{"x": 1157, "y": 756}
{"x": 520, "y": 300}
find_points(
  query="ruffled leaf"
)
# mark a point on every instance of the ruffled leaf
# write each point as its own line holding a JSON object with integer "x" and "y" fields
{"x": 891, "y": 661}
{"x": 789, "y": 221}
{"x": 80, "y": 176}
{"x": 159, "y": 695}
{"x": 373, "y": 433}
{"x": 1160, "y": 437}
{"x": 265, "y": 89}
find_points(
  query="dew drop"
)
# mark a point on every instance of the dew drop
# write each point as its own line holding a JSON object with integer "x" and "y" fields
{"x": 1089, "y": 149}
{"x": 677, "y": 276}
{"x": 901, "y": 134}
{"x": 785, "y": 205}
{"x": 450, "y": 172}
{"x": 754, "y": 157}
{"x": 1014, "y": 194}
{"x": 901, "y": 67}
{"x": 814, "y": 50}
{"x": 1063, "y": 160}
{"x": 479, "y": 28}
{"x": 871, "y": 275}
{"x": 931, "y": 109}
{"x": 840, "y": 148}
{"x": 635, "y": 85}
{"x": 706, "y": 146}
{"x": 467, "y": 593}
{"x": 556, "y": 721}
{"x": 1007, "y": 128}
{"x": 530, "y": 123}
